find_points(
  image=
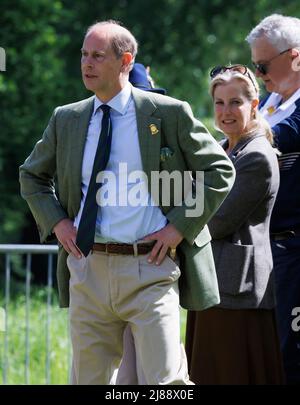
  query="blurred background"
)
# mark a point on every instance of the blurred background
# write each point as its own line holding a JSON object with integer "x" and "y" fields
{"x": 181, "y": 40}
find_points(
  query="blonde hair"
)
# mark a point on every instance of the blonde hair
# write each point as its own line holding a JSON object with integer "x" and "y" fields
{"x": 251, "y": 92}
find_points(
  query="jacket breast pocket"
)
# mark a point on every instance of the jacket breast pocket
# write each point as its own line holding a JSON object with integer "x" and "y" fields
{"x": 173, "y": 162}
{"x": 234, "y": 266}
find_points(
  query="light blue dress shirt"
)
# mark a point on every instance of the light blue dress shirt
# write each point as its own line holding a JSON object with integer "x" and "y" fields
{"x": 120, "y": 222}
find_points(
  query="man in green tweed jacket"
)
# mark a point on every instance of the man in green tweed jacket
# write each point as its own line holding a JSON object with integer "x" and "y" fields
{"x": 128, "y": 273}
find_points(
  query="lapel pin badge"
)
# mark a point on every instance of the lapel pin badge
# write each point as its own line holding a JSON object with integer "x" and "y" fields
{"x": 173, "y": 253}
{"x": 271, "y": 110}
{"x": 153, "y": 129}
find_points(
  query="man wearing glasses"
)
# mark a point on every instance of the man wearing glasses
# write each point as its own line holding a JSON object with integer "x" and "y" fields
{"x": 275, "y": 48}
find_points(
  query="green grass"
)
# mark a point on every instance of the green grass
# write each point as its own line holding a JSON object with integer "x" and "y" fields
{"x": 183, "y": 314}
{"x": 59, "y": 353}
{"x": 2, "y": 320}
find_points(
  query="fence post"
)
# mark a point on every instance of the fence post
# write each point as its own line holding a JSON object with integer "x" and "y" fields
{"x": 2, "y": 60}
{"x": 48, "y": 337}
{"x": 6, "y": 326}
{"x": 27, "y": 293}
{"x": 7, "y": 299}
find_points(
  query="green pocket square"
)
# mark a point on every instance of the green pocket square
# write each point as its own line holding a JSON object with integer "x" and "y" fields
{"x": 165, "y": 153}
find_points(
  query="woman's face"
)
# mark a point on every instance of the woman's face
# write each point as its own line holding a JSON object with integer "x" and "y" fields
{"x": 233, "y": 111}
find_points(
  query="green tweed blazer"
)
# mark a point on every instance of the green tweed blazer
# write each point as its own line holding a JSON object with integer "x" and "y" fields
{"x": 51, "y": 182}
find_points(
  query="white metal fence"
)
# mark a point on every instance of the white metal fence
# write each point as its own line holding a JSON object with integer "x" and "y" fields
{"x": 7, "y": 342}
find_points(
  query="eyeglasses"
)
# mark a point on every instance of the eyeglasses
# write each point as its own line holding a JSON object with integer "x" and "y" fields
{"x": 263, "y": 67}
{"x": 235, "y": 68}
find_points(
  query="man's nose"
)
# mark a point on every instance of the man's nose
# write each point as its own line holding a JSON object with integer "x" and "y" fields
{"x": 86, "y": 61}
{"x": 258, "y": 73}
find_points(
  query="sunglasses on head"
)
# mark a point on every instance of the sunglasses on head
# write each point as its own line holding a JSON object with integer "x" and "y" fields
{"x": 263, "y": 68}
{"x": 235, "y": 68}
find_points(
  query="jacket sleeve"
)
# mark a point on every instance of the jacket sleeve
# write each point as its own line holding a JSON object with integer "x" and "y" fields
{"x": 204, "y": 155}
{"x": 287, "y": 132}
{"x": 37, "y": 183}
{"x": 252, "y": 184}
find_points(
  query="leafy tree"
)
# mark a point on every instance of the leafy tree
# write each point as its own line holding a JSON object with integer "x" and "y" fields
{"x": 33, "y": 83}
{"x": 180, "y": 39}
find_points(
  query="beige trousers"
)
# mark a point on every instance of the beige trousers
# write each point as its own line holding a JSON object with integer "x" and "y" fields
{"x": 130, "y": 371}
{"x": 107, "y": 292}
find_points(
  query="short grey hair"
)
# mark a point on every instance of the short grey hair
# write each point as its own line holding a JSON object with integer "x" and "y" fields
{"x": 283, "y": 32}
{"x": 122, "y": 40}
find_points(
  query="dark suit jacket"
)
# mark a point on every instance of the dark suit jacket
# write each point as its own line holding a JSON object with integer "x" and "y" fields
{"x": 240, "y": 228}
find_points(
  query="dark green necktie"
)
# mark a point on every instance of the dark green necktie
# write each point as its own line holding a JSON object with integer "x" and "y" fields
{"x": 86, "y": 229}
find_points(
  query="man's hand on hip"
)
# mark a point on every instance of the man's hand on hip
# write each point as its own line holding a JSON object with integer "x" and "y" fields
{"x": 66, "y": 232}
{"x": 166, "y": 238}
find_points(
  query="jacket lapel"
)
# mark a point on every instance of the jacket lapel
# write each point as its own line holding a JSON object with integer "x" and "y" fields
{"x": 79, "y": 128}
{"x": 149, "y": 132}
{"x": 239, "y": 146}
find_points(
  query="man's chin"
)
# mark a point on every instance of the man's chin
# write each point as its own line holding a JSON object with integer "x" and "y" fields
{"x": 87, "y": 86}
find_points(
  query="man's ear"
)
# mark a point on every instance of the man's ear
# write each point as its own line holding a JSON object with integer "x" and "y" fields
{"x": 295, "y": 52}
{"x": 295, "y": 60}
{"x": 126, "y": 61}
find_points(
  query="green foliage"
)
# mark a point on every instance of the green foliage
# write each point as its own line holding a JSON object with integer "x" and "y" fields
{"x": 180, "y": 39}
{"x": 183, "y": 315}
{"x": 2, "y": 319}
{"x": 30, "y": 88}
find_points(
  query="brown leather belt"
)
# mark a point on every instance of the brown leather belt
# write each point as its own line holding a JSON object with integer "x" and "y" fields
{"x": 123, "y": 248}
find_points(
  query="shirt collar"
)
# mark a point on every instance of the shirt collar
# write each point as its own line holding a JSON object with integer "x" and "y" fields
{"x": 274, "y": 100}
{"x": 290, "y": 100}
{"x": 243, "y": 142}
{"x": 118, "y": 103}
